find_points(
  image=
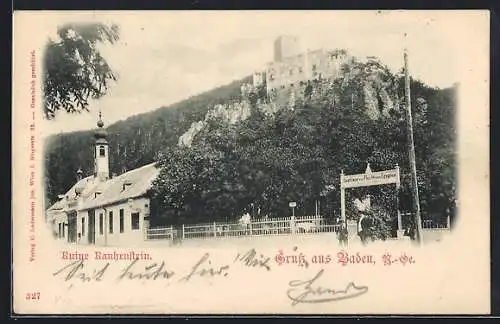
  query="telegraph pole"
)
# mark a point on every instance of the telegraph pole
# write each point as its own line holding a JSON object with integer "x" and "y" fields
{"x": 411, "y": 153}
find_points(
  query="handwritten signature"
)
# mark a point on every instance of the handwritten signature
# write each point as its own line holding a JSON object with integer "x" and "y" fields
{"x": 303, "y": 291}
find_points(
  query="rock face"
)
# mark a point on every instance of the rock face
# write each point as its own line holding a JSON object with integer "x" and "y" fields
{"x": 229, "y": 113}
{"x": 371, "y": 80}
{"x": 187, "y": 138}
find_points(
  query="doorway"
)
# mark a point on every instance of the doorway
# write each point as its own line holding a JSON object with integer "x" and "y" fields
{"x": 72, "y": 227}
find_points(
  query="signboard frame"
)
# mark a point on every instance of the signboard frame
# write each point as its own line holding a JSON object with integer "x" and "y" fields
{"x": 369, "y": 179}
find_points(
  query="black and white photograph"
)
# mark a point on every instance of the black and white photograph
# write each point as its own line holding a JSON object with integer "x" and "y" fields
{"x": 308, "y": 141}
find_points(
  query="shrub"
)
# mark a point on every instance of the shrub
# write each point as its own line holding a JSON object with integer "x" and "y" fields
{"x": 380, "y": 224}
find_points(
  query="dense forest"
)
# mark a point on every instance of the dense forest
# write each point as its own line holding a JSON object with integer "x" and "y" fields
{"x": 261, "y": 163}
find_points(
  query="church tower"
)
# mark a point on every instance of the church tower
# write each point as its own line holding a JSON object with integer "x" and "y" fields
{"x": 101, "y": 152}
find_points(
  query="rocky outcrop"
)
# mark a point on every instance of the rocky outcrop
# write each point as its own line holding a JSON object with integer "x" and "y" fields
{"x": 230, "y": 113}
{"x": 187, "y": 138}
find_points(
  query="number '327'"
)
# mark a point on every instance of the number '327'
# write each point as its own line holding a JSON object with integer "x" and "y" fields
{"x": 33, "y": 296}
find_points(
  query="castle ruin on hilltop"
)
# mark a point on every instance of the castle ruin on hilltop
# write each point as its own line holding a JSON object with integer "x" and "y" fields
{"x": 293, "y": 67}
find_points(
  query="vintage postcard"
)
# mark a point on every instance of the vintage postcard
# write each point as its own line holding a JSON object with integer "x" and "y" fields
{"x": 251, "y": 162}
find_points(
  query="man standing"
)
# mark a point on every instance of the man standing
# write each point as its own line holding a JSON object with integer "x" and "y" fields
{"x": 343, "y": 234}
{"x": 363, "y": 227}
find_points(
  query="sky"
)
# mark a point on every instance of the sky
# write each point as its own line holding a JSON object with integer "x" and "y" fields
{"x": 165, "y": 57}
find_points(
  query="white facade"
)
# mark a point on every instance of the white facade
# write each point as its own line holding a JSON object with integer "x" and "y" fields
{"x": 115, "y": 225}
{"x": 118, "y": 224}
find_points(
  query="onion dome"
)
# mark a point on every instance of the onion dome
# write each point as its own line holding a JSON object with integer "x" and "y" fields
{"x": 100, "y": 133}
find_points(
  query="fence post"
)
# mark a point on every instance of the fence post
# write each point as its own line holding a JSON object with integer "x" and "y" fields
{"x": 448, "y": 222}
{"x": 215, "y": 230}
{"x": 250, "y": 227}
{"x": 183, "y": 235}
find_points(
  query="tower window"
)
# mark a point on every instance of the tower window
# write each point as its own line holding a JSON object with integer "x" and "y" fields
{"x": 102, "y": 151}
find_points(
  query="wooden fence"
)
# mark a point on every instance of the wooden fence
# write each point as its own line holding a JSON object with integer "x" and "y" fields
{"x": 301, "y": 225}
{"x": 160, "y": 233}
{"x": 264, "y": 227}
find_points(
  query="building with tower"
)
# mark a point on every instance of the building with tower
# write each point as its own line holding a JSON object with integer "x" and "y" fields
{"x": 293, "y": 66}
{"x": 103, "y": 210}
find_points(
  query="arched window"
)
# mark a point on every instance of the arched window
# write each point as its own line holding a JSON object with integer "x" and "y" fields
{"x": 102, "y": 151}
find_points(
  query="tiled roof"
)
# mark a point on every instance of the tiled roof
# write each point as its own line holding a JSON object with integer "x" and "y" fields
{"x": 132, "y": 184}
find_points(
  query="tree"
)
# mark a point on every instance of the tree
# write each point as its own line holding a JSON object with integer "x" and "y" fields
{"x": 74, "y": 69}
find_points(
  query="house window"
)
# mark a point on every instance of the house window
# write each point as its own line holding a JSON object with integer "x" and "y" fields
{"x": 102, "y": 151}
{"x": 101, "y": 222}
{"x": 122, "y": 224}
{"x": 135, "y": 221}
{"x": 300, "y": 69}
{"x": 314, "y": 67}
{"x": 110, "y": 222}
{"x": 60, "y": 231}
{"x": 63, "y": 230}
{"x": 83, "y": 226}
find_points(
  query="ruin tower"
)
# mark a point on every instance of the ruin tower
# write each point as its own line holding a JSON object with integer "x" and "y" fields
{"x": 286, "y": 46}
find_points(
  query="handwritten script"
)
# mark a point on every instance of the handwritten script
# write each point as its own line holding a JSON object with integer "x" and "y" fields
{"x": 300, "y": 291}
{"x": 308, "y": 291}
{"x": 82, "y": 271}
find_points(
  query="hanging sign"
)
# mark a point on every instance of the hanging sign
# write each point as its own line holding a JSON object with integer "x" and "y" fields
{"x": 369, "y": 178}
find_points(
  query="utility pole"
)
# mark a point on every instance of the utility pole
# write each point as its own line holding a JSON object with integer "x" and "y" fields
{"x": 411, "y": 153}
